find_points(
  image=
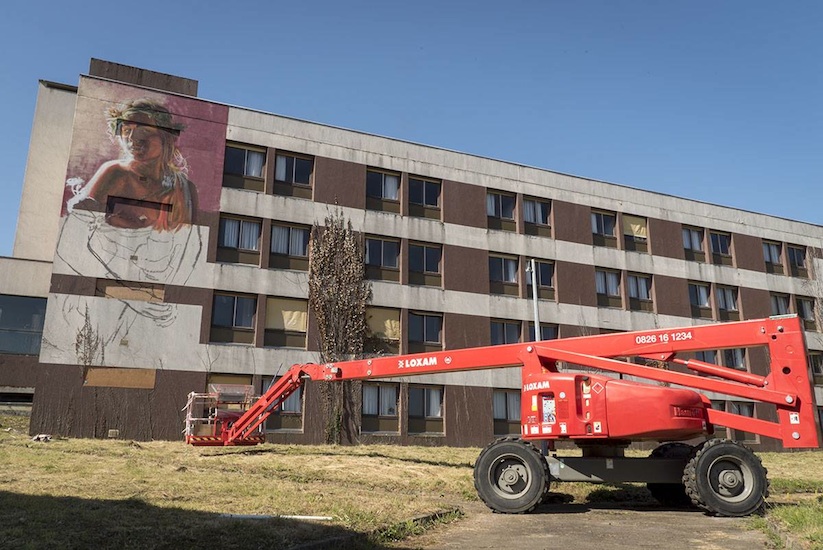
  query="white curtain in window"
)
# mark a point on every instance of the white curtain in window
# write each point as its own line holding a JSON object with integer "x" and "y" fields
{"x": 244, "y": 312}
{"x": 511, "y": 270}
{"x": 806, "y": 309}
{"x": 600, "y": 281}
{"x": 370, "y": 399}
{"x": 530, "y": 211}
{"x": 280, "y": 168}
{"x": 490, "y": 211}
{"x": 249, "y": 235}
{"x": 687, "y": 239}
{"x": 612, "y": 284}
{"x": 390, "y": 185}
{"x": 279, "y": 239}
{"x": 388, "y": 400}
{"x": 513, "y": 406}
{"x": 254, "y": 163}
{"x": 297, "y": 243}
{"x": 499, "y": 405}
{"x": 434, "y": 405}
{"x": 229, "y": 232}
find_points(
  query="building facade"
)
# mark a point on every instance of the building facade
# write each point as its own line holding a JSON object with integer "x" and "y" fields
{"x": 162, "y": 246}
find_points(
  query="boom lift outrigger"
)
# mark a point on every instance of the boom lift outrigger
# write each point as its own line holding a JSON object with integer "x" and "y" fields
{"x": 603, "y": 414}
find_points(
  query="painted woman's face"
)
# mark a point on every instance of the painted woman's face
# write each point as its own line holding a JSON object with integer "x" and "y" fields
{"x": 143, "y": 143}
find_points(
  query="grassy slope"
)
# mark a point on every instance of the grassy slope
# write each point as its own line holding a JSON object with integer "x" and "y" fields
{"x": 97, "y": 493}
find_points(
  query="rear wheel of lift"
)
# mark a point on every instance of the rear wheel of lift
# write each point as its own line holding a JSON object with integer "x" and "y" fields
{"x": 726, "y": 478}
{"x": 671, "y": 494}
{"x": 511, "y": 476}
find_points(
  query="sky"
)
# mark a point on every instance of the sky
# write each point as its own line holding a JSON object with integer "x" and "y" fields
{"x": 714, "y": 101}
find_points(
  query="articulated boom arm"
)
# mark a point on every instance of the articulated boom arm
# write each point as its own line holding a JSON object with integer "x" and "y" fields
{"x": 786, "y": 386}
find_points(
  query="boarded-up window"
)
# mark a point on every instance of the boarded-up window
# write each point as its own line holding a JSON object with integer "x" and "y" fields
{"x": 129, "y": 290}
{"x": 634, "y": 226}
{"x": 114, "y": 377}
{"x": 286, "y": 314}
{"x": 384, "y": 323}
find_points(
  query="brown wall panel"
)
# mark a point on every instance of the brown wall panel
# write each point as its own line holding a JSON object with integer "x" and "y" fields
{"x": 73, "y": 284}
{"x": 464, "y": 204}
{"x": 671, "y": 296}
{"x": 748, "y": 252}
{"x": 339, "y": 182}
{"x": 465, "y": 331}
{"x": 465, "y": 269}
{"x": 468, "y": 416}
{"x": 754, "y": 303}
{"x": 18, "y": 371}
{"x": 572, "y": 222}
{"x": 666, "y": 238}
{"x": 575, "y": 283}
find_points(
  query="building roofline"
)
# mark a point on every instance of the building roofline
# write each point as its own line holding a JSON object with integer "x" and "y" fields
{"x": 58, "y": 86}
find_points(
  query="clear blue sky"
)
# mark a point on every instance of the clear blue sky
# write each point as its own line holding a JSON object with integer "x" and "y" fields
{"x": 715, "y": 101}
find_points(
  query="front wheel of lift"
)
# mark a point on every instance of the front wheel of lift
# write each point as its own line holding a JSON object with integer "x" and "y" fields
{"x": 511, "y": 476}
{"x": 725, "y": 478}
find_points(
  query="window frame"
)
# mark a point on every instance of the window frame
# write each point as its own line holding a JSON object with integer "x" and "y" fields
{"x": 539, "y": 205}
{"x": 555, "y": 331}
{"x": 424, "y": 326}
{"x": 242, "y": 222}
{"x": 598, "y": 219}
{"x": 290, "y": 178}
{"x": 508, "y": 329}
{"x": 246, "y": 150}
{"x": 778, "y": 299}
{"x": 290, "y": 229}
{"x": 427, "y": 183}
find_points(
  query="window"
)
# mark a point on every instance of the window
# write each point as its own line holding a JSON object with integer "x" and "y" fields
{"x": 797, "y": 256}
{"x": 289, "y": 240}
{"x": 635, "y": 233}
{"x": 608, "y": 282}
{"x": 735, "y": 358}
{"x": 640, "y": 287}
{"x": 743, "y": 408}
{"x": 425, "y": 402}
{"x": 425, "y": 329}
{"x": 234, "y": 311}
{"x": 21, "y": 324}
{"x": 293, "y": 169}
{"x": 502, "y": 273}
{"x": 780, "y": 304}
{"x": 244, "y": 162}
{"x": 707, "y": 356}
{"x": 506, "y": 405}
{"x": 382, "y": 185}
{"x": 504, "y": 332}
{"x": 721, "y": 243}
{"x": 424, "y": 258}
{"x": 424, "y": 193}
{"x": 726, "y": 298}
{"x": 547, "y": 332}
{"x": 382, "y": 253}
{"x": 603, "y": 223}
{"x": 805, "y": 310}
{"x": 816, "y": 362}
{"x": 797, "y": 261}
{"x": 499, "y": 205}
{"x": 380, "y": 399}
{"x": 693, "y": 239}
{"x": 288, "y": 416}
{"x": 286, "y": 322}
{"x": 425, "y": 409}
{"x": 699, "y": 295}
{"x": 239, "y": 234}
{"x": 384, "y": 331}
{"x": 771, "y": 253}
{"x": 545, "y": 275}
{"x": 536, "y": 211}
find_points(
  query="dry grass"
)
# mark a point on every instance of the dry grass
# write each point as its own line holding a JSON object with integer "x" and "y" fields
{"x": 112, "y": 493}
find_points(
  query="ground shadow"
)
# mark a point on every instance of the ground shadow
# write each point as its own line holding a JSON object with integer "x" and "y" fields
{"x": 608, "y": 497}
{"x": 73, "y": 523}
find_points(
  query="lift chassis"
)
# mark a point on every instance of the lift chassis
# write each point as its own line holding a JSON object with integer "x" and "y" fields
{"x": 573, "y": 390}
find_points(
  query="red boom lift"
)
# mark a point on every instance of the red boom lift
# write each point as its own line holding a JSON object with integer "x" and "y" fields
{"x": 602, "y": 414}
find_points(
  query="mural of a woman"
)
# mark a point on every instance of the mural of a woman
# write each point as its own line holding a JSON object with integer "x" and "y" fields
{"x": 148, "y": 186}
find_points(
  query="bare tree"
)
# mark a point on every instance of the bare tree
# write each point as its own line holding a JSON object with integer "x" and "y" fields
{"x": 338, "y": 296}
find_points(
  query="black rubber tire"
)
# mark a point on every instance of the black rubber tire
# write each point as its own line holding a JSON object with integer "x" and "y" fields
{"x": 726, "y": 478}
{"x": 511, "y": 476}
{"x": 671, "y": 494}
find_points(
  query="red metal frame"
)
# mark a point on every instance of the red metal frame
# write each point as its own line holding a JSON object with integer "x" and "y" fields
{"x": 598, "y": 406}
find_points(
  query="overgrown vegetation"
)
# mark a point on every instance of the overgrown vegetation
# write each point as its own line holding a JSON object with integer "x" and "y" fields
{"x": 338, "y": 296}
{"x": 87, "y": 493}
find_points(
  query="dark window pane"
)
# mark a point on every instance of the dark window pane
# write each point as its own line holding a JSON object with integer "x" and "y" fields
{"x": 432, "y": 193}
{"x": 432, "y": 260}
{"x": 512, "y": 333}
{"x": 496, "y": 269}
{"x": 374, "y": 184}
{"x": 390, "y": 252}
{"x": 235, "y": 162}
{"x": 302, "y": 171}
{"x": 497, "y": 334}
{"x": 433, "y": 324}
{"x": 415, "y": 191}
{"x": 223, "y": 314}
{"x": 244, "y": 315}
{"x": 507, "y": 207}
{"x": 416, "y": 258}
{"x": 546, "y": 272}
{"x": 374, "y": 251}
{"x": 416, "y": 331}
{"x": 417, "y": 402}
